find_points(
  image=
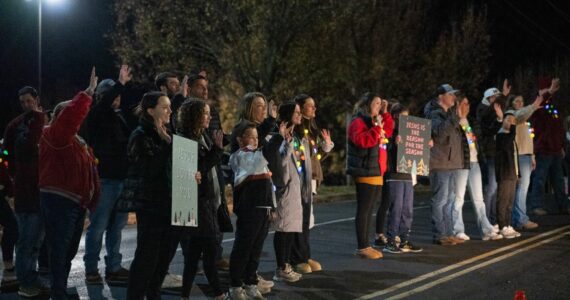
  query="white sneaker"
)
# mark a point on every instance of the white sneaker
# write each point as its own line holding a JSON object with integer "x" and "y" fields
{"x": 496, "y": 228}
{"x": 261, "y": 282}
{"x": 462, "y": 236}
{"x": 286, "y": 275}
{"x": 516, "y": 233}
{"x": 252, "y": 292}
{"x": 397, "y": 241}
{"x": 172, "y": 281}
{"x": 237, "y": 293}
{"x": 508, "y": 233}
{"x": 264, "y": 286}
{"x": 493, "y": 236}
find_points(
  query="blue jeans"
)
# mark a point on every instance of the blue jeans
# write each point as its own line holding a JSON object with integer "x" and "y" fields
{"x": 401, "y": 210}
{"x": 457, "y": 198}
{"x": 547, "y": 166}
{"x": 476, "y": 192}
{"x": 441, "y": 181}
{"x": 64, "y": 225}
{"x": 105, "y": 219}
{"x": 519, "y": 208}
{"x": 31, "y": 228}
{"x": 490, "y": 195}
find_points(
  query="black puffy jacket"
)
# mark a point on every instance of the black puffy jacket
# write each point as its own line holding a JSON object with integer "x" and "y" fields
{"x": 151, "y": 161}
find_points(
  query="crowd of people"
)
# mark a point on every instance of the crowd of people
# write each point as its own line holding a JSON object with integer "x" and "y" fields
{"x": 86, "y": 159}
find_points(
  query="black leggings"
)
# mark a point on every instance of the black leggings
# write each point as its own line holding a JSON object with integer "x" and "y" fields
{"x": 381, "y": 215}
{"x": 8, "y": 221}
{"x": 283, "y": 242}
{"x": 366, "y": 196}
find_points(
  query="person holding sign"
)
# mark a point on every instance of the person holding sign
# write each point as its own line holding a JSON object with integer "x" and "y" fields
{"x": 446, "y": 160}
{"x": 150, "y": 155}
{"x": 365, "y": 138}
{"x": 400, "y": 192}
{"x": 193, "y": 121}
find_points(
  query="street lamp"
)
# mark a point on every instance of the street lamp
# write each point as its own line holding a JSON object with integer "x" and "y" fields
{"x": 49, "y": 2}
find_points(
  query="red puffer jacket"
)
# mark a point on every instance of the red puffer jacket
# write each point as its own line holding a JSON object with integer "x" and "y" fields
{"x": 67, "y": 165}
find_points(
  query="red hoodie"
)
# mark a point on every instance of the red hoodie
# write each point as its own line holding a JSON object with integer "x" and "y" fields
{"x": 548, "y": 129}
{"x": 67, "y": 165}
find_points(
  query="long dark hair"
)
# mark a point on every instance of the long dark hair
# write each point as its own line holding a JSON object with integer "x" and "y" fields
{"x": 286, "y": 111}
{"x": 363, "y": 104}
{"x": 190, "y": 117}
{"x": 307, "y": 124}
{"x": 149, "y": 100}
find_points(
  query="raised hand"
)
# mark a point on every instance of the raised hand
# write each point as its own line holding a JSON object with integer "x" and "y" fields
{"x": 463, "y": 109}
{"x": 384, "y": 106}
{"x": 285, "y": 132}
{"x": 498, "y": 110}
{"x": 92, "y": 83}
{"x": 506, "y": 87}
{"x": 326, "y": 136}
{"x": 219, "y": 138}
{"x": 125, "y": 74}
{"x": 272, "y": 109}
{"x": 184, "y": 87}
{"x": 162, "y": 131}
{"x": 554, "y": 85}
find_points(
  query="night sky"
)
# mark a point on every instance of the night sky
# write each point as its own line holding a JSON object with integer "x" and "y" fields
{"x": 522, "y": 32}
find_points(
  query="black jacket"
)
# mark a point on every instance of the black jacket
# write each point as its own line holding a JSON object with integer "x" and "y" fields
{"x": 209, "y": 156}
{"x": 506, "y": 155}
{"x": 488, "y": 126}
{"x": 447, "y": 152}
{"x": 107, "y": 132}
{"x": 151, "y": 161}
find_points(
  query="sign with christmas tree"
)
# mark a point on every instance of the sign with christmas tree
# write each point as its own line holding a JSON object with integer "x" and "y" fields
{"x": 184, "y": 187}
{"x": 413, "y": 149}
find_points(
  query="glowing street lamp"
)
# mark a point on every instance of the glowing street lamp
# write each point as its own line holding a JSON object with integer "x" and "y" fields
{"x": 49, "y": 2}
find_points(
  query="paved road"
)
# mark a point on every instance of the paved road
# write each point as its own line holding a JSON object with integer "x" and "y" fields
{"x": 538, "y": 263}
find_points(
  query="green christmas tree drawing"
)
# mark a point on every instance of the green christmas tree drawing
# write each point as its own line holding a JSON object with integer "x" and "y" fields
{"x": 403, "y": 165}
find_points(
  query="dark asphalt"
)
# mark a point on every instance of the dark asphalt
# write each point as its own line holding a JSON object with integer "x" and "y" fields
{"x": 538, "y": 263}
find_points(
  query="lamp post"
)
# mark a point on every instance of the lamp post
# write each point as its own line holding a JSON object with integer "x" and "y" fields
{"x": 54, "y": 2}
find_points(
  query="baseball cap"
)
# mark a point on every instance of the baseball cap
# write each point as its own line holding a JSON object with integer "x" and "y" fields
{"x": 446, "y": 88}
{"x": 509, "y": 112}
{"x": 105, "y": 86}
{"x": 491, "y": 92}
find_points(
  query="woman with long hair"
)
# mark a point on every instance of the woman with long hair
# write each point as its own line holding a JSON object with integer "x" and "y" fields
{"x": 366, "y": 136}
{"x": 255, "y": 108}
{"x": 201, "y": 241}
{"x": 320, "y": 143}
{"x": 150, "y": 155}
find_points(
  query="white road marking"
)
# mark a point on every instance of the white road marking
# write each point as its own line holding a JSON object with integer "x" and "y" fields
{"x": 460, "y": 264}
{"x": 475, "y": 267}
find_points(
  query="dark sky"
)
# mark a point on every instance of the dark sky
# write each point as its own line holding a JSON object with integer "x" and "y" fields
{"x": 522, "y": 32}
